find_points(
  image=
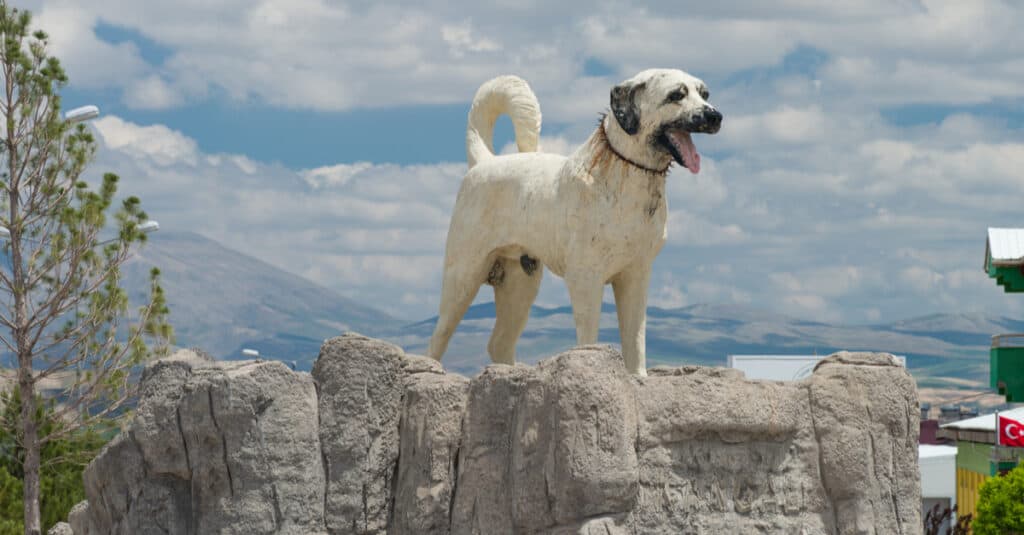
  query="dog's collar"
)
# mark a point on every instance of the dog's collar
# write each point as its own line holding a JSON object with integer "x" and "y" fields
{"x": 619, "y": 155}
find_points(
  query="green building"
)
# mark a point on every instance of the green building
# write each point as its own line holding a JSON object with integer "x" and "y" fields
{"x": 977, "y": 455}
{"x": 1004, "y": 262}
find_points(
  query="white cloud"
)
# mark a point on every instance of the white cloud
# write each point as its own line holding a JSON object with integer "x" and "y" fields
{"x": 373, "y": 232}
{"x": 159, "y": 143}
{"x": 151, "y": 93}
{"x": 685, "y": 229}
{"x": 334, "y": 175}
{"x": 89, "y": 61}
{"x": 786, "y": 125}
{"x": 809, "y": 306}
{"x": 462, "y": 40}
{"x": 334, "y": 56}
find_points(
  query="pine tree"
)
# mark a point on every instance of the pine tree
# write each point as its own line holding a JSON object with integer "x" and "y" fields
{"x": 63, "y": 313}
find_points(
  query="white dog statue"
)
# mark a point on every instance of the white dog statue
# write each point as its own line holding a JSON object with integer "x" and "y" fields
{"x": 595, "y": 217}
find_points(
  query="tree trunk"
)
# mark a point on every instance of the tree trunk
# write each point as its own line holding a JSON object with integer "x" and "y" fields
{"x": 30, "y": 441}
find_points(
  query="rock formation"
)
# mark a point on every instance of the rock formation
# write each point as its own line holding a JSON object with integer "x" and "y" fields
{"x": 377, "y": 441}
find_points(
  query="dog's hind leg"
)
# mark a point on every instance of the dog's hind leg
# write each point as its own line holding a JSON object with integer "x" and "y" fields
{"x": 513, "y": 296}
{"x": 461, "y": 282}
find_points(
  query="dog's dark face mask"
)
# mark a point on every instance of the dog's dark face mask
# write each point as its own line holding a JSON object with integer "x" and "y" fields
{"x": 666, "y": 106}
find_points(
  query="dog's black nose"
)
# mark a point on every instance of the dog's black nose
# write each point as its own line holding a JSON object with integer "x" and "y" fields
{"x": 712, "y": 120}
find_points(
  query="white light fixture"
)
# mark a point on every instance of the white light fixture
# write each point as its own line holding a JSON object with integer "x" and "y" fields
{"x": 251, "y": 353}
{"x": 149, "y": 226}
{"x": 84, "y": 113}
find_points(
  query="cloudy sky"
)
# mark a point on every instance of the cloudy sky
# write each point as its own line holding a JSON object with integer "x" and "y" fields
{"x": 866, "y": 145}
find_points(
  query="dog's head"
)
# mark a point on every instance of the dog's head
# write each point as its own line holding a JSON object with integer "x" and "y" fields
{"x": 654, "y": 114}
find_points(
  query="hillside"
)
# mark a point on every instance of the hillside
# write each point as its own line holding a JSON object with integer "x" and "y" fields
{"x": 222, "y": 300}
{"x": 936, "y": 346}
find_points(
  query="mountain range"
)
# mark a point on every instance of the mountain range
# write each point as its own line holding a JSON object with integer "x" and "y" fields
{"x": 223, "y": 301}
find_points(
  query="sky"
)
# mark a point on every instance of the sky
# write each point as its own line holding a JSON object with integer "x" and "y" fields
{"x": 866, "y": 145}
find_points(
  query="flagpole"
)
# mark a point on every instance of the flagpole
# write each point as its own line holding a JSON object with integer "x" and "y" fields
{"x": 999, "y": 434}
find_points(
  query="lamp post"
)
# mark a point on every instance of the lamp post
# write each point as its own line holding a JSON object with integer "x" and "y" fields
{"x": 80, "y": 114}
{"x": 147, "y": 227}
{"x": 77, "y": 115}
{"x": 254, "y": 353}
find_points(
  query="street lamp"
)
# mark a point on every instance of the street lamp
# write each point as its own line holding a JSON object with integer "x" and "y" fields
{"x": 83, "y": 113}
{"x": 77, "y": 115}
{"x": 256, "y": 355}
{"x": 147, "y": 227}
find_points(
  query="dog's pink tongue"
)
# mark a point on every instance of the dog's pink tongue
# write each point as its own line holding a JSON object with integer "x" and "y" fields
{"x": 684, "y": 144}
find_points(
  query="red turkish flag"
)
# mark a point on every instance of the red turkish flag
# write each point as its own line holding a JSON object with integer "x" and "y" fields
{"x": 1011, "y": 432}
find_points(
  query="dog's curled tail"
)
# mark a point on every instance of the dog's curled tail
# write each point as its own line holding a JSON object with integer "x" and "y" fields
{"x": 505, "y": 94}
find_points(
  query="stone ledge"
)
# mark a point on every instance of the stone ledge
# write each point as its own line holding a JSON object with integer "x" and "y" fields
{"x": 377, "y": 441}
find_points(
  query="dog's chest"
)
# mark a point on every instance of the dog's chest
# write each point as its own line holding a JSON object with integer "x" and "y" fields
{"x": 627, "y": 227}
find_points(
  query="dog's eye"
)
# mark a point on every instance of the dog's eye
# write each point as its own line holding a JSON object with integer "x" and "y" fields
{"x": 703, "y": 92}
{"x": 676, "y": 96}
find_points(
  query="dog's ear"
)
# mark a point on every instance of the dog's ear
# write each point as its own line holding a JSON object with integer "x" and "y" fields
{"x": 624, "y": 106}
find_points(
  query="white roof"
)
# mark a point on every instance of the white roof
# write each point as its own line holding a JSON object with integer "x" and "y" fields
{"x": 985, "y": 422}
{"x": 1005, "y": 246}
{"x": 781, "y": 367}
{"x": 935, "y": 451}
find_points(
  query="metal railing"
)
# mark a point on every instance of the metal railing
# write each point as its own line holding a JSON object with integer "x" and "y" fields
{"x": 1008, "y": 340}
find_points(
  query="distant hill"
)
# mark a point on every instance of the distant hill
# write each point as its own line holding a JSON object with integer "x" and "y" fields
{"x": 936, "y": 346}
{"x": 222, "y": 300}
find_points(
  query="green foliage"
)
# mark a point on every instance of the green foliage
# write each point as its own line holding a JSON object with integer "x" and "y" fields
{"x": 62, "y": 464}
{"x": 10, "y": 504}
{"x": 1001, "y": 505}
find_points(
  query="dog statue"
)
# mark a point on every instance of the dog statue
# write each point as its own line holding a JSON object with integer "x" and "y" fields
{"x": 595, "y": 217}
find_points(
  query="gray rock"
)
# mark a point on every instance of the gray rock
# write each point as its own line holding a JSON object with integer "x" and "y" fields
{"x": 60, "y": 528}
{"x": 360, "y": 383}
{"x": 865, "y": 413}
{"x": 483, "y": 495}
{"x": 431, "y": 432}
{"x": 384, "y": 442}
{"x": 268, "y": 476}
{"x": 112, "y": 481}
{"x": 80, "y": 520}
{"x": 720, "y": 454}
{"x": 227, "y": 448}
{"x": 158, "y": 417}
{"x": 603, "y": 525}
{"x": 574, "y": 447}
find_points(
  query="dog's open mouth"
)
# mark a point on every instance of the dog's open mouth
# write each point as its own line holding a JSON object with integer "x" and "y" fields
{"x": 680, "y": 145}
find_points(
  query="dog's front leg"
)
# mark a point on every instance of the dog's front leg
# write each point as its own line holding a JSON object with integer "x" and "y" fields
{"x": 585, "y": 292}
{"x": 630, "y": 288}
